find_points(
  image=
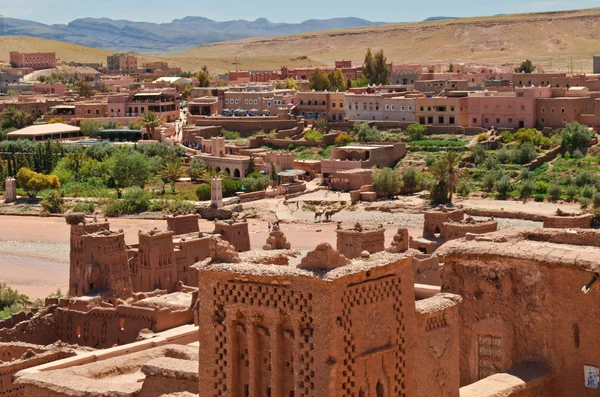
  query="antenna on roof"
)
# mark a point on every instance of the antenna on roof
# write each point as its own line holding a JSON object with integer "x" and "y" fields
{"x": 236, "y": 64}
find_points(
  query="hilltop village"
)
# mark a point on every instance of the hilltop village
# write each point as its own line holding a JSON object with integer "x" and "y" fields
{"x": 375, "y": 230}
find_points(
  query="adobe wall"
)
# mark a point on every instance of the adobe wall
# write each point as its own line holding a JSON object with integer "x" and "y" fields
{"x": 156, "y": 262}
{"x": 435, "y": 219}
{"x": 188, "y": 251}
{"x": 39, "y": 329}
{"x": 78, "y": 273}
{"x": 105, "y": 264}
{"x": 568, "y": 222}
{"x": 245, "y": 126}
{"x": 346, "y": 336}
{"x": 10, "y": 190}
{"x": 520, "y": 297}
{"x": 183, "y": 224}
{"x": 427, "y": 269}
{"x": 454, "y": 230}
{"x": 437, "y": 346}
{"x": 15, "y": 357}
{"x": 236, "y": 233}
{"x": 351, "y": 243}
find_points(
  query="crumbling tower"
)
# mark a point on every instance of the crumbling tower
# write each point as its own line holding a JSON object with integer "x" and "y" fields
{"x": 78, "y": 276}
{"x": 156, "y": 262}
{"x": 105, "y": 268}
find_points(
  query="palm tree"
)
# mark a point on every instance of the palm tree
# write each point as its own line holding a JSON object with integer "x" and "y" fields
{"x": 172, "y": 171}
{"x": 321, "y": 124}
{"x": 451, "y": 160}
{"x": 150, "y": 121}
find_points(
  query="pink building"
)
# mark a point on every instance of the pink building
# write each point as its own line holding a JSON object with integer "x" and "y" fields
{"x": 510, "y": 110}
{"x": 34, "y": 60}
{"x": 49, "y": 89}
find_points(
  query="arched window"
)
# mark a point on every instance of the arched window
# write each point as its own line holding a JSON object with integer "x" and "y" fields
{"x": 379, "y": 389}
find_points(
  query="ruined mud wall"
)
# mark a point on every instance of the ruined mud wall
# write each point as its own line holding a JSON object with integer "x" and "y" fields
{"x": 434, "y": 221}
{"x": 568, "y": 222}
{"x": 183, "y": 224}
{"x": 352, "y": 243}
{"x": 514, "y": 309}
{"x": 454, "y": 230}
{"x": 437, "y": 346}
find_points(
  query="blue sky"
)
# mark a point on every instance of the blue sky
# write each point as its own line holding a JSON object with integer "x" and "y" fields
{"x": 62, "y": 11}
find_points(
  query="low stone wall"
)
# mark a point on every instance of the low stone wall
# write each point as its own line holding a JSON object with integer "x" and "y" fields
{"x": 454, "y": 230}
{"x": 568, "y": 222}
{"x": 525, "y": 380}
{"x": 505, "y": 214}
{"x": 210, "y": 213}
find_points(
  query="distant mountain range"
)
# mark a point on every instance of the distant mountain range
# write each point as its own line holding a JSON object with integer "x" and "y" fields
{"x": 179, "y": 35}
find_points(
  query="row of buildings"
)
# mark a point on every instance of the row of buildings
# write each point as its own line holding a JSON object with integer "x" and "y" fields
{"x": 523, "y": 106}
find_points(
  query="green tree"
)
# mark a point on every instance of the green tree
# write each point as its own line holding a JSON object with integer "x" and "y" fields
{"x": 360, "y": 81}
{"x": 451, "y": 68}
{"x": 369, "y": 65}
{"x": 150, "y": 121}
{"x": 221, "y": 83}
{"x": 321, "y": 124}
{"x": 526, "y": 67}
{"x": 336, "y": 80}
{"x": 319, "y": 80}
{"x": 197, "y": 169}
{"x": 381, "y": 74}
{"x": 416, "y": 131}
{"x": 363, "y": 133}
{"x": 172, "y": 170}
{"x": 128, "y": 167}
{"x": 313, "y": 135}
{"x": 576, "y": 136}
{"x": 343, "y": 139}
{"x": 90, "y": 127}
{"x": 291, "y": 84}
{"x": 203, "y": 77}
{"x": 13, "y": 118}
{"x": 410, "y": 178}
{"x": 34, "y": 182}
{"x": 386, "y": 182}
{"x": 84, "y": 89}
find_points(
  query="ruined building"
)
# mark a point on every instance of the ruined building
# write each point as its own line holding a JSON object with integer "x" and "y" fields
{"x": 443, "y": 224}
{"x": 352, "y": 241}
{"x": 349, "y": 329}
{"x": 530, "y": 301}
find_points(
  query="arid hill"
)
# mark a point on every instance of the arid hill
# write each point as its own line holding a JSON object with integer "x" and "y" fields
{"x": 550, "y": 39}
{"x": 556, "y": 41}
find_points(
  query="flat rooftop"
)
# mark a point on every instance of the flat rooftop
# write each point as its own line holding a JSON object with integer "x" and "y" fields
{"x": 554, "y": 247}
{"x": 44, "y": 129}
{"x": 357, "y": 265}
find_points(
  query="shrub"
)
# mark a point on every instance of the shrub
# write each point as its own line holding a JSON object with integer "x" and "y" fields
{"x": 503, "y": 185}
{"x": 255, "y": 183}
{"x": 583, "y": 178}
{"x": 577, "y": 154}
{"x": 482, "y": 137}
{"x": 179, "y": 206}
{"x": 576, "y": 136}
{"x": 386, "y": 182}
{"x": 87, "y": 207}
{"x": 54, "y": 203}
{"x": 584, "y": 203}
{"x": 505, "y": 155}
{"x": 463, "y": 188}
{"x": 313, "y": 135}
{"x": 429, "y": 161}
{"x": 587, "y": 192}
{"x": 478, "y": 154}
{"x": 596, "y": 201}
{"x": 416, "y": 131}
{"x": 527, "y": 187}
{"x": 571, "y": 191}
{"x": 203, "y": 193}
{"x": 197, "y": 169}
{"x": 554, "y": 191}
{"x": 363, "y": 133}
{"x": 410, "y": 178}
{"x": 525, "y": 153}
{"x": 135, "y": 200}
{"x": 230, "y": 135}
{"x": 343, "y": 139}
{"x": 541, "y": 187}
{"x": 491, "y": 163}
{"x": 113, "y": 208}
{"x": 539, "y": 198}
{"x": 230, "y": 187}
{"x": 488, "y": 181}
